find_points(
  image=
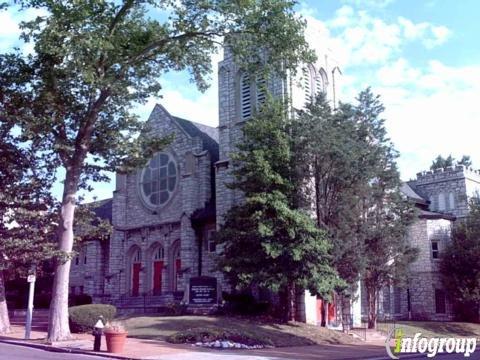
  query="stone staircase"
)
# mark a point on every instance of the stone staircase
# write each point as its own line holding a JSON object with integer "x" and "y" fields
{"x": 39, "y": 318}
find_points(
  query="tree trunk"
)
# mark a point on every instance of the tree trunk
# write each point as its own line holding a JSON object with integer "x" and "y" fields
{"x": 58, "y": 327}
{"x": 372, "y": 307}
{"x": 287, "y": 301}
{"x": 4, "y": 319}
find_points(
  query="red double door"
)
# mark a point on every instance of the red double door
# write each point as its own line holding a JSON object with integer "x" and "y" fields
{"x": 157, "y": 277}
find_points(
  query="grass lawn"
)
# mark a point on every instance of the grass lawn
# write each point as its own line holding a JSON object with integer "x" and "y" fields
{"x": 264, "y": 332}
{"x": 436, "y": 328}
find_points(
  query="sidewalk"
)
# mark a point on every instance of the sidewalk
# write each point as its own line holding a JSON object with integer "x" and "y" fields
{"x": 154, "y": 349}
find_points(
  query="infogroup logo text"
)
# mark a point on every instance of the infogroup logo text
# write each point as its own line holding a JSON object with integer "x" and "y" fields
{"x": 430, "y": 346}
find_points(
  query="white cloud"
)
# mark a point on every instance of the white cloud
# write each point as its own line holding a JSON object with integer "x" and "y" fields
{"x": 375, "y": 4}
{"x": 430, "y": 111}
{"x": 430, "y": 35}
{"x": 9, "y": 30}
{"x": 363, "y": 39}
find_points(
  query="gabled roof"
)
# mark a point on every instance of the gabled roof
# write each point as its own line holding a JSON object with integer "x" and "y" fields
{"x": 208, "y": 134}
{"x": 408, "y": 191}
{"x": 103, "y": 209}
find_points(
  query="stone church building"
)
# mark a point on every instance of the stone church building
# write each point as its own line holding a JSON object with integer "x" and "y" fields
{"x": 164, "y": 215}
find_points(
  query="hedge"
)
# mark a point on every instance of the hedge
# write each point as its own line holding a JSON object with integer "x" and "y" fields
{"x": 84, "y": 317}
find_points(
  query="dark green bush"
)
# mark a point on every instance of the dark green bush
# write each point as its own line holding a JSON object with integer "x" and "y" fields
{"x": 83, "y": 318}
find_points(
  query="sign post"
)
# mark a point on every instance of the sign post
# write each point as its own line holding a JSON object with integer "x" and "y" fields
{"x": 28, "y": 326}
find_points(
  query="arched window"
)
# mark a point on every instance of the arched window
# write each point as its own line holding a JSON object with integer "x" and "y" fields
{"x": 441, "y": 202}
{"x": 320, "y": 82}
{"x": 159, "y": 253}
{"x": 245, "y": 96}
{"x": 433, "y": 205}
{"x": 261, "y": 90}
{"x": 137, "y": 257}
{"x": 451, "y": 200}
{"x": 307, "y": 83}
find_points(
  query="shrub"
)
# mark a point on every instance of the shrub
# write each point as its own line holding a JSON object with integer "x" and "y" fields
{"x": 83, "y": 318}
{"x": 193, "y": 335}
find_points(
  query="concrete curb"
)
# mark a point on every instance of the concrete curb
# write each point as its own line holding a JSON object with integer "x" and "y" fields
{"x": 52, "y": 348}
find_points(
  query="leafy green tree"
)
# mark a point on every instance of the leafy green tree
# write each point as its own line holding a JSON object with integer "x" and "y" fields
{"x": 94, "y": 59}
{"x": 385, "y": 214}
{"x": 465, "y": 161}
{"x": 460, "y": 267}
{"x": 26, "y": 214}
{"x": 355, "y": 191}
{"x": 441, "y": 163}
{"x": 327, "y": 150}
{"x": 266, "y": 241}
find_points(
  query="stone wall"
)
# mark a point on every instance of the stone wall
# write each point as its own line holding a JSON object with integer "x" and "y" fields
{"x": 448, "y": 189}
{"x": 138, "y": 227}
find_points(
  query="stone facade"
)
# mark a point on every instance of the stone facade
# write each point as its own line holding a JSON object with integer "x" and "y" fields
{"x": 154, "y": 250}
{"x": 441, "y": 197}
{"x": 162, "y": 238}
{"x": 448, "y": 189}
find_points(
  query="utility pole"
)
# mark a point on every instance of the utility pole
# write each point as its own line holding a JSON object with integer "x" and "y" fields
{"x": 31, "y": 280}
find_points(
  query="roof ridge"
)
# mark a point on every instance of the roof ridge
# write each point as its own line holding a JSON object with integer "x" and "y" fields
{"x": 194, "y": 122}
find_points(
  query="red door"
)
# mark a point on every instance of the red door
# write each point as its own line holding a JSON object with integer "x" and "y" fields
{"x": 157, "y": 277}
{"x": 178, "y": 266}
{"x": 320, "y": 310}
{"x": 135, "y": 279}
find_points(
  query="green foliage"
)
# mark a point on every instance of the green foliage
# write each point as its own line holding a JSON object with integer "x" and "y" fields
{"x": 441, "y": 163}
{"x": 460, "y": 267}
{"x": 94, "y": 60}
{"x": 194, "y": 335}
{"x": 27, "y": 209}
{"x": 84, "y": 317}
{"x": 356, "y": 187}
{"x": 266, "y": 241}
{"x": 327, "y": 150}
{"x": 355, "y": 192}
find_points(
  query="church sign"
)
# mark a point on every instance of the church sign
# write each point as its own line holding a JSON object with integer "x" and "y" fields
{"x": 203, "y": 290}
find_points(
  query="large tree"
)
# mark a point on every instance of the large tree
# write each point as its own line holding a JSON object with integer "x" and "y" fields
{"x": 349, "y": 178}
{"x": 385, "y": 214}
{"x": 267, "y": 240}
{"x": 93, "y": 59}
{"x": 329, "y": 161}
{"x": 460, "y": 267}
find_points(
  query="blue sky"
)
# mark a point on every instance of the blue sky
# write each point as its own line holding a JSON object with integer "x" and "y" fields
{"x": 422, "y": 57}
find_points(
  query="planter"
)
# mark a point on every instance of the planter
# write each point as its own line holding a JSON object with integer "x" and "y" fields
{"x": 115, "y": 341}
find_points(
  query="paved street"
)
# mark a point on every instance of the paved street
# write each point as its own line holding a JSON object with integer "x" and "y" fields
{"x": 9, "y": 352}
